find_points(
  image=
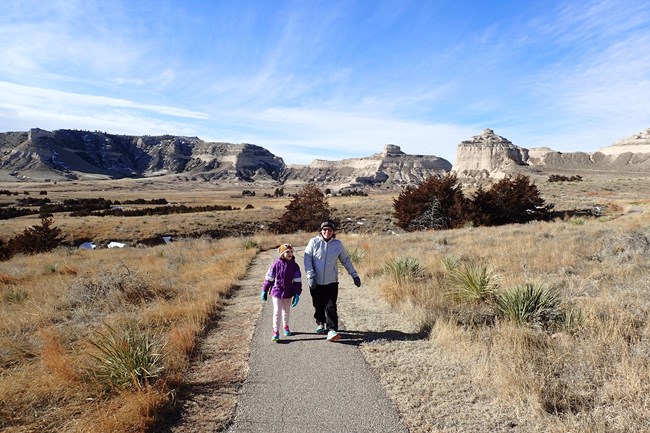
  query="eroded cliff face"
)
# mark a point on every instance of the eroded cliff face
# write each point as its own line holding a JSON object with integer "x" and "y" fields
{"x": 488, "y": 155}
{"x": 71, "y": 153}
{"x": 82, "y": 154}
{"x": 389, "y": 168}
{"x": 637, "y": 143}
{"x": 491, "y": 156}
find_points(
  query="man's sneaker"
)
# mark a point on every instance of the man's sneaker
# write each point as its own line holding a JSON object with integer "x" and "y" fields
{"x": 276, "y": 337}
{"x": 287, "y": 333}
{"x": 333, "y": 335}
{"x": 321, "y": 329}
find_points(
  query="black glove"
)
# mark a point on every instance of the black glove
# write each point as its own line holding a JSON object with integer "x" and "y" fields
{"x": 357, "y": 281}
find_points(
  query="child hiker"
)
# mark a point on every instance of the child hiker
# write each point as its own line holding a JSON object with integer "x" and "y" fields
{"x": 283, "y": 280}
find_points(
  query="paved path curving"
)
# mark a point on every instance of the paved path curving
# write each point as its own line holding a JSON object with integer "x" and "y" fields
{"x": 304, "y": 384}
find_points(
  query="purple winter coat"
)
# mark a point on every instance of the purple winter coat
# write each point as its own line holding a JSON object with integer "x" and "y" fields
{"x": 283, "y": 279}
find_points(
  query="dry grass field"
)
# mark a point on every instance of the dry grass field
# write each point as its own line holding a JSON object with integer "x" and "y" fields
{"x": 454, "y": 363}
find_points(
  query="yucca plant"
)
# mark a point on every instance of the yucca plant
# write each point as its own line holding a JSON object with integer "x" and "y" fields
{"x": 450, "y": 263}
{"x": 250, "y": 243}
{"x": 472, "y": 282}
{"x": 356, "y": 254}
{"x": 15, "y": 296}
{"x": 530, "y": 304}
{"x": 127, "y": 358}
{"x": 404, "y": 268}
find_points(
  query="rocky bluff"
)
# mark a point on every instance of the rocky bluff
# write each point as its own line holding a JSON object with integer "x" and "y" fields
{"x": 72, "y": 154}
{"x": 489, "y": 155}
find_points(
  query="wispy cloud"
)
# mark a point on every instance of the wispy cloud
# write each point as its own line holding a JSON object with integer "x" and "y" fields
{"x": 320, "y": 79}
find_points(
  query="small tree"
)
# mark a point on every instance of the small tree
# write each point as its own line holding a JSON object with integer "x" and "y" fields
{"x": 510, "y": 201}
{"x": 439, "y": 197}
{"x": 305, "y": 212}
{"x": 37, "y": 239}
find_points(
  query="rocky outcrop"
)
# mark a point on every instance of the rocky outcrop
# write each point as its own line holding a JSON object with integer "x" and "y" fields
{"x": 637, "y": 143}
{"x": 488, "y": 155}
{"x": 74, "y": 153}
{"x": 491, "y": 156}
{"x": 390, "y": 168}
{"x": 84, "y": 154}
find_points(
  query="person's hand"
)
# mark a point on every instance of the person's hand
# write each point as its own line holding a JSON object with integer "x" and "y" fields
{"x": 357, "y": 281}
{"x": 264, "y": 296}
{"x": 296, "y": 299}
{"x": 311, "y": 283}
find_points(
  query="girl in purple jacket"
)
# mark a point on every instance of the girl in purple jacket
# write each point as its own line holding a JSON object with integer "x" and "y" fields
{"x": 283, "y": 280}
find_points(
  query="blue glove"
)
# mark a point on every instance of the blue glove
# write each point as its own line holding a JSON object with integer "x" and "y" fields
{"x": 263, "y": 296}
{"x": 357, "y": 281}
{"x": 296, "y": 298}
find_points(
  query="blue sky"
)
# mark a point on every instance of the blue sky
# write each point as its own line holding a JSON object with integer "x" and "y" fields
{"x": 331, "y": 79}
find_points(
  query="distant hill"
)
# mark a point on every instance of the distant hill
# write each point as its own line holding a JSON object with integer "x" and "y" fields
{"x": 72, "y": 154}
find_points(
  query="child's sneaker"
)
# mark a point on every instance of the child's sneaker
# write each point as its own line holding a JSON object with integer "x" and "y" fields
{"x": 320, "y": 329}
{"x": 276, "y": 337}
{"x": 287, "y": 333}
{"x": 333, "y": 335}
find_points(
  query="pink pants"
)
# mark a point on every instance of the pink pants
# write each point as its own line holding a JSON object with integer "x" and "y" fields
{"x": 284, "y": 306}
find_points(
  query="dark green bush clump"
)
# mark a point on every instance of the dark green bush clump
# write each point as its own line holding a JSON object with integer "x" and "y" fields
{"x": 305, "y": 212}
{"x": 509, "y": 201}
{"x": 439, "y": 203}
{"x": 36, "y": 239}
{"x": 560, "y": 178}
{"x": 439, "y": 197}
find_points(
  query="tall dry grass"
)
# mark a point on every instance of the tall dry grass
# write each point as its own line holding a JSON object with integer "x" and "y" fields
{"x": 588, "y": 372}
{"x": 55, "y": 306}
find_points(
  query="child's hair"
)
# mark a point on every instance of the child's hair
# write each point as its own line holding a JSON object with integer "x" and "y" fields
{"x": 284, "y": 247}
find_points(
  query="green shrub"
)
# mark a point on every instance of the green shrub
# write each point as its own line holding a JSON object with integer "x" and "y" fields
{"x": 129, "y": 358}
{"x": 36, "y": 239}
{"x": 509, "y": 201}
{"x": 15, "y": 296}
{"x": 250, "y": 243}
{"x": 404, "y": 268}
{"x": 356, "y": 254}
{"x": 530, "y": 304}
{"x": 305, "y": 212}
{"x": 438, "y": 202}
{"x": 472, "y": 282}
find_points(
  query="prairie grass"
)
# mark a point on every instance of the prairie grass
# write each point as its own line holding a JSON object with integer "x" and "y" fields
{"x": 469, "y": 369}
{"x": 116, "y": 334}
{"x": 568, "y": 347}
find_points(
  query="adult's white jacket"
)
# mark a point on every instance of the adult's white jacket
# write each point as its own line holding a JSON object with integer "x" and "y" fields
{"x": 321, "y": 260}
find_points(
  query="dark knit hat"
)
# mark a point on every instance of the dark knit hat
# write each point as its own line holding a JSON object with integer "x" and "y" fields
{"x": 328, "y": 223}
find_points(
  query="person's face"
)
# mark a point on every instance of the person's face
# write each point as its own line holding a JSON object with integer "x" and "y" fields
{"x": 288, "y": 254}
{"x": 327, "y": 232}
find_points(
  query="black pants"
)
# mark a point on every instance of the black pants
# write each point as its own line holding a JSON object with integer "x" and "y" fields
{"x": 324, "y": 301}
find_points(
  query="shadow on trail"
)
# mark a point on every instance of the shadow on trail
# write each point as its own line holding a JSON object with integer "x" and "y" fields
{"x": 358, "y": 337}
{"x": 355, "y": 338}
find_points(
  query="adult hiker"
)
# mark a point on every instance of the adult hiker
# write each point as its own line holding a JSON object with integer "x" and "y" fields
{"x": 322, "y": 255}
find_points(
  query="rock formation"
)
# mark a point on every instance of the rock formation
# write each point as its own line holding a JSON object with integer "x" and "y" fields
{"x": 389, "y": 168}
{"x": 637, "y": 143}
{"x": 487, "y": 155}
{"x": 71, "y": 154}
{"x": 490, "y": 155}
